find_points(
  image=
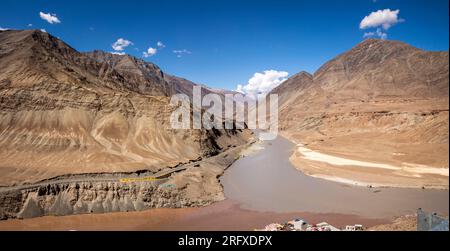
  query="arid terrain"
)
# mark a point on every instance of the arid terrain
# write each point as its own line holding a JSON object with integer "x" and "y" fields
{"x": 375, "y": 115}
{"x": 86, "y": 141}
{"x": 64, "y": 113}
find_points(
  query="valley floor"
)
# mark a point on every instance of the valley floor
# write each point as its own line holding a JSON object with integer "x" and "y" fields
{"x": 263, "y": 187}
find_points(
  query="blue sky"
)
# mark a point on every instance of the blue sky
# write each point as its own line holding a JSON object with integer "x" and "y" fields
{"x": 227, "y": 42}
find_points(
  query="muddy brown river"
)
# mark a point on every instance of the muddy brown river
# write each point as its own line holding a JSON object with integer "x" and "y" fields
{"x": 266, "y": 181}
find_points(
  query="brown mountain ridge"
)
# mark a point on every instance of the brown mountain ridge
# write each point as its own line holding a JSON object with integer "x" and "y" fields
{"x": 66, "y": 112}
{"x": 381, "y": 102}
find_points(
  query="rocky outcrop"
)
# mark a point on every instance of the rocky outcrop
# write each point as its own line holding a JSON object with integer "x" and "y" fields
{"x": 89, "y": 197}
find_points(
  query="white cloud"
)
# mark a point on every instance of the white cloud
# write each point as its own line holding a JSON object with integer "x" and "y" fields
{"x": 385, "y": 18}
{"x": 378, "y": 33}
{"x": 160, "y": 44}
{"x": 263, "y": 83}
{"x": 29, "y": 25}
{"x": 117, "y": 53}
{"x": 182, "y": 52}
{"x": 51, "y": 18}
{"x": 150, "y": 52}
{"x": 3, "y": 29}
{"x": 121, "y": 44}
{"x": 382, "y": 20}
{"x": 43, "y": 30}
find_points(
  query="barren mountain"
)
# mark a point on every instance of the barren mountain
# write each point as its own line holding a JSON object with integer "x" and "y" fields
{"x": 66, "y": 112}
{"x": 381, "y": 102}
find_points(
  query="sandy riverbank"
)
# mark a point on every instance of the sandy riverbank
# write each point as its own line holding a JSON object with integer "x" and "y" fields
{"x": 343, "y": 169}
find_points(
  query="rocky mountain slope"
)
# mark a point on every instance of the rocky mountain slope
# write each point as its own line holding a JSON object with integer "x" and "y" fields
{"x": 66, "y": 112}
{"x": 381, "y": 102}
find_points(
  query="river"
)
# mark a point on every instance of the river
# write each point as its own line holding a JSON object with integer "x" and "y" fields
{"x": 266, "y": 181}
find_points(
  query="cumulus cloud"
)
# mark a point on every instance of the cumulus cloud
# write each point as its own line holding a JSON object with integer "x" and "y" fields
{"x": 160, "y": 44}
{"x": 378, "y": 33}
{"x": 150, "y": 52}
{"x": 118, "y": 53}
{"x": 3, "y": 29}
{"x": 385, "y": 18}
{"x": 43, "y": 30}
{"x": 182, "y": 52}
{"x": 51, "y": 18}
{"x": 263, "y": 83}
{"x": 382, "y": 20}
{"x": 121, "y": 44}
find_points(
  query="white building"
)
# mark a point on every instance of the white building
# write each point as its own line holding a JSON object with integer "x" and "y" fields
{"x": 300, "y": 224}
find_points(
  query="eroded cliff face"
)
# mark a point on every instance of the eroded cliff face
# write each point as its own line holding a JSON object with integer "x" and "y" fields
{"x": 65, "y": 112}
{"x": 93, "y": 197}
{"x": 193, "y": 184}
